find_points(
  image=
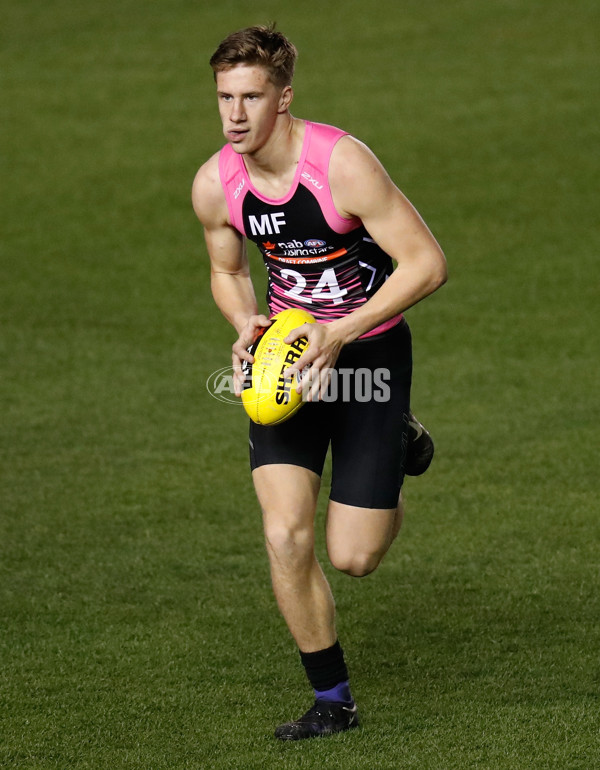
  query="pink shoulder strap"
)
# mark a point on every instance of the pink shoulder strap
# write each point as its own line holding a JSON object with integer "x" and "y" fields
{"x": 234, "y": 180}
{"x": 315, "y": 174}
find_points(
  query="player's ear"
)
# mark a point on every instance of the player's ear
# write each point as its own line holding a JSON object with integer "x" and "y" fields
{"x": 285, "y": 98}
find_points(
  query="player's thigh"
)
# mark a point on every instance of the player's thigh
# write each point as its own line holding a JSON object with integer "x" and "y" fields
{"x": 302, "y": 441}
{"x": 288, "y": 498}
{"x": 369, "y": 426}
{"x": 358, "y": 538}
{"x": 287, "y": 462}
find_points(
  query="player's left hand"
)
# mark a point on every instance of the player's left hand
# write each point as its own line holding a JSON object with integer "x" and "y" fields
{"x": 315, "y": 365}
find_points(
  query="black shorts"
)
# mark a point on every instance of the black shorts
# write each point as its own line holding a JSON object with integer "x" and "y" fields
{"x": 366, "y": 426}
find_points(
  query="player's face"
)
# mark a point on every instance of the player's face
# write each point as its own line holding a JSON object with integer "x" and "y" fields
{"x": 249, "y": 104}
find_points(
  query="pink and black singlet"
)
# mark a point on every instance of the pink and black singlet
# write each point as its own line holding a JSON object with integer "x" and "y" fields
{"x": 315, "y": 259}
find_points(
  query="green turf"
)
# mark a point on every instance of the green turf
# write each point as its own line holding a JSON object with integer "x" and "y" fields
{"x": 137, "y": 627}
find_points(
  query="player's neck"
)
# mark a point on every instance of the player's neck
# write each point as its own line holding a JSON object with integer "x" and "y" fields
{"x": 273, "y": 167}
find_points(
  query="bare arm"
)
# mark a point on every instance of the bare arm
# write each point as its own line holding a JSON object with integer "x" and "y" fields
{"x": 230, "y": 276}
{"x": 361, "y": 187}
{"x": 231, "y": 284}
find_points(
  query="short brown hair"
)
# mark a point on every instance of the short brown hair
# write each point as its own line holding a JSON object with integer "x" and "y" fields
{"x": 260, "y": 45}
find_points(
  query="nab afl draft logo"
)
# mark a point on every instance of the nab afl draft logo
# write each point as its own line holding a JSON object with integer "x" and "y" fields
{"x": 314, "y": 243}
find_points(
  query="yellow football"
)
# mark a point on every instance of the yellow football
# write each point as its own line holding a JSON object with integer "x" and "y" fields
{"x": 268, "y": 397}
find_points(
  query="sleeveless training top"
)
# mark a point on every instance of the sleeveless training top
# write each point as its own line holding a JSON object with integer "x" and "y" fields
{"x": 315, "y": 259}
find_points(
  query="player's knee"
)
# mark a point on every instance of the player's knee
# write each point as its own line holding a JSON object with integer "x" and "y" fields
{"x": 289, "y": 542}
{"x": 359, "y": 563}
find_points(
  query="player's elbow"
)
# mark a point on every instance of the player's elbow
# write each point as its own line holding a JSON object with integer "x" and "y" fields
{"x": 437, "y": 272}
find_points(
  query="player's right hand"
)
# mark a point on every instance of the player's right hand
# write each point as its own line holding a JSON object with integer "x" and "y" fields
{"x": 240, "y": 352}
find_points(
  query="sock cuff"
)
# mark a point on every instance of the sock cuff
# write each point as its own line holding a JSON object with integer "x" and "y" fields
{"x": 325, "y": 668}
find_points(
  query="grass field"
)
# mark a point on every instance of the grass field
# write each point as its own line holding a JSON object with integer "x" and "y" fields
{"x": 137, "y": 626}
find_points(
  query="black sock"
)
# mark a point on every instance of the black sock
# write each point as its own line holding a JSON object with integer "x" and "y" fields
{"x": 325, "y": 669}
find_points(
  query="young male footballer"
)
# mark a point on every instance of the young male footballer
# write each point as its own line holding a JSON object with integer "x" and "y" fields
{"x": 329, "y": 223}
